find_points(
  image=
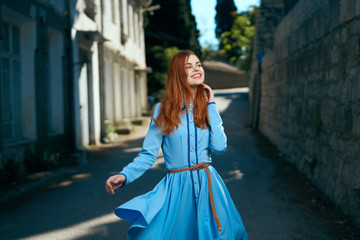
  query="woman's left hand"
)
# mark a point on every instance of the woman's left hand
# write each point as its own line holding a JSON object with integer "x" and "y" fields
{"x": 114, "y": 182}
{"x": 209, "y": 93}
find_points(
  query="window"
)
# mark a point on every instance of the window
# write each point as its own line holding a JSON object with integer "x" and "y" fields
{"x": 121, "y": 23}
{"x": 113, "y": 11}
{"x": 11, "y": 83}
{"x": 129, "y": 18}
{"x": 90, "y": 9}
{"x": 55, "y": 82}
{"x": 136, "y": 25}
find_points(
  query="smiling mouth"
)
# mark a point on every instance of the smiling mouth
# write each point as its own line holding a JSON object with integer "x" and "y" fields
{"x": 198, "y": 75}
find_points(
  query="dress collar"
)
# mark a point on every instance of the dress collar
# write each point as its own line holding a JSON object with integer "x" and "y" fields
{"x": 184, "y": 104}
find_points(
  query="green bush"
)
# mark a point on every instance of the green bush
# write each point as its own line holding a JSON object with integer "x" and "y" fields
{"x": 49, "y": 160}
{"x": 11, "y": 172}
{"x": 158, "y": 58}
{"x": 41, "y": 160}
{"x": 111, "y": 135}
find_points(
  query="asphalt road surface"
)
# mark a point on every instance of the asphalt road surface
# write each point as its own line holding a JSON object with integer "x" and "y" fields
{"x": 275, "y": 201}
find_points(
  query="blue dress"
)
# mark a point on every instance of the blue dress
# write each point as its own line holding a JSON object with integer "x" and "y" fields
{"x": 178, "y": 207}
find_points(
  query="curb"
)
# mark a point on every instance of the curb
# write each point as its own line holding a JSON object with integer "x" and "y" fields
{"x": 38, "y": 179}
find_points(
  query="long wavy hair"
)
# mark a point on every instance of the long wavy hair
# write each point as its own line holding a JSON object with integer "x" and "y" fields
{"x": 178, "y": 90}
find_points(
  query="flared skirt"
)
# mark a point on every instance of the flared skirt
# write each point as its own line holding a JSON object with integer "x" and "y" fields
{"x": 177, "y": 209}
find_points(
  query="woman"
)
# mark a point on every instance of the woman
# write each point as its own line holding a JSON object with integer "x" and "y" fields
{"x": 191, "y": 202}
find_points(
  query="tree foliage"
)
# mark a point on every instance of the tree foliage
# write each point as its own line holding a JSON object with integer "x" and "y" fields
{"x": 236, "y": 45}
{"x": 225, "y": 16}
{"x": 158, "y": 58}
{"x": 172, "y": 25}
{"x": 167, "y": 30}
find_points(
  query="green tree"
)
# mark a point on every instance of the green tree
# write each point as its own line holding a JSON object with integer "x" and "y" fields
{"x": 237, "y": 44}
{"x": 225, "y": 16}
{"x": 167, "y": 30}
{"x": 159, "y": 57}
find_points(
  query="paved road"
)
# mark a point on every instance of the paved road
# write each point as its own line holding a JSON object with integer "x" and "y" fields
{"x": 274, "y": 200}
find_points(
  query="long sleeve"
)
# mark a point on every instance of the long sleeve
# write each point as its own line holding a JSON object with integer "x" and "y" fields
{"x": 218, "y": 140}
{"x": 147, "y": 156}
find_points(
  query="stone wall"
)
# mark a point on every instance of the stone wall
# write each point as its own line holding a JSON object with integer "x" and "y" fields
{"x": 220, "y": 75}
{"x": 310, "y": 96}
{"x": 268, "y": 17}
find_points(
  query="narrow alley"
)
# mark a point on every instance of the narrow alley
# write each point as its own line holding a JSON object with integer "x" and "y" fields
{"x": 275, "y": 201}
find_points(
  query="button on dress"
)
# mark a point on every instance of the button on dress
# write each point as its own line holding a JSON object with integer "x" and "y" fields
{"x": 179, "y": 207}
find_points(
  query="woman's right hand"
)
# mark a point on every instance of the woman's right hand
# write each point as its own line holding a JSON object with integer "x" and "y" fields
{"x": 209, "y": 93}
{"x": 114, "y": 182}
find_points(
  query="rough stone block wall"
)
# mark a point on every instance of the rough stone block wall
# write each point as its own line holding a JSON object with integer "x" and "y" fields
{"x": 310, "y": 96}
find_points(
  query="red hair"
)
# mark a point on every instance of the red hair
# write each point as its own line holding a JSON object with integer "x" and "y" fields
{"x": 178, "y": 90}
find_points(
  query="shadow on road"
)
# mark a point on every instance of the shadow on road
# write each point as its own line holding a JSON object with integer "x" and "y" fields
{"x": 273, "y": 198}
{"x": 76, "y": 205}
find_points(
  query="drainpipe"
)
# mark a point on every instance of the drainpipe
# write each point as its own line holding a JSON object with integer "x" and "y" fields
{"x": 256, "y": 93}
{"x": 1, "y": 133}
{"x": 102, "y": 75}
{"x": 71, "y": 131}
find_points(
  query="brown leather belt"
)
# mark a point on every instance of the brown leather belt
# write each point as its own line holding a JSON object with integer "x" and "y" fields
{"x": 197, "y": 167}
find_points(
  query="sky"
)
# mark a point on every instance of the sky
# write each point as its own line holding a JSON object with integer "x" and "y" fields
{"x": 204, "y": 12}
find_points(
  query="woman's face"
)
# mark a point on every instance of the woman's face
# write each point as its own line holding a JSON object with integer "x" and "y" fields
{"x": 195, "y": 72}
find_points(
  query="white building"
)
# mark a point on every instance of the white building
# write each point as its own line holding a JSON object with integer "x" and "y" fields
{"x": 109, "y": 61}
{"x": 68, "y": 68}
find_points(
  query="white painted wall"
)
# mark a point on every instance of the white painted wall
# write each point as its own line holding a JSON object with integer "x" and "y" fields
{"x": 142, "y": 88}
{"x": 119, "y": 80}
{"x": 134, "y": 49}
{"x": 96, "y": 92}
{"x": 84, "y": 106}
{"x": 77, "y": 73}
{"x": 138, "y": 95}
{"x": 109, "y": 89}
{"x": 125, "y": 91}
{"x": 132, "y": 95}
{"x": 134, "y": 55}
{"x": 117, "y": 96}
{"x": 112, "y": 29}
